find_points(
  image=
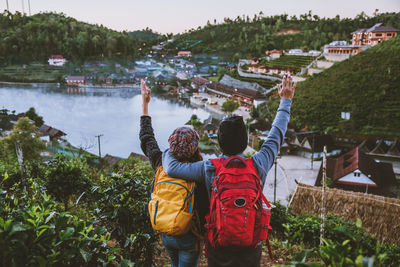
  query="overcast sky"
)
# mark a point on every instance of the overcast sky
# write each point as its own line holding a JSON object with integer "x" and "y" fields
{"x": 175, "y": 16}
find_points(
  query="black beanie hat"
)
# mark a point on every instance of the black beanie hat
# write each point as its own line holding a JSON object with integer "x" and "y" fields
{"x": 232, "y": 135}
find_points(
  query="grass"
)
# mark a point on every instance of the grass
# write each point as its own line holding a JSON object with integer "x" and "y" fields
{"x": 32, "y": 73}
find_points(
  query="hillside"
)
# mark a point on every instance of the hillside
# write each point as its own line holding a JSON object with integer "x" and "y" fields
{"x": 145, "y": 35}
{"x": 33, "y": 38}
{"x": 366, "y": 85}
{"x": 245, "y": 36}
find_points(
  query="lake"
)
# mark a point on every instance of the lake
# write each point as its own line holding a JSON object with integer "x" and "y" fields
{"x": 83, "y": 113}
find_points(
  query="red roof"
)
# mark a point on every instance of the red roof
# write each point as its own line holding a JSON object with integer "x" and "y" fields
{"x": 56, "y": 57}
{"x": 380, "y": 173}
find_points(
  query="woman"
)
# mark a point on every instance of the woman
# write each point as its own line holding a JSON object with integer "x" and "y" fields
{"x": 183, "y": 250}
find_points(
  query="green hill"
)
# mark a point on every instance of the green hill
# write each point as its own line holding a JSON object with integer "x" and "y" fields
{"x": 146, "y": 35}
{"x": 366, "y": 85}
{"x": 245, "y": 36}
{"x": 33, "y": 38}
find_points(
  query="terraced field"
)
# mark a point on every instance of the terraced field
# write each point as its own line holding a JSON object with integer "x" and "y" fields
{"x": 293, "y": 62}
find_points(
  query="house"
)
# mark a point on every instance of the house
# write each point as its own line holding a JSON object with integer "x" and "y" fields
{"x": 262, "y": 69}
{"x": 109, "y": 160}
{"x": 57, "y": 60}
{"x": 245, "y": 96}
{"x": 184, "y": 54}
{"x": 254, "y": 60}
{"x": 295, "y": 51}
{"x": 75, "y": 80}
{"x": 274, "y": 54}
{"x": 53, "y": 133}
{"x": 357, "y": 171}
{"x": 199, "y": 83}
{"x": 109, "y": 80}
{"x": 211, "y": 125}
{"x": 374, "y": 35}
{"x": 280, "y": 71}
{"x": 138, "y": 156}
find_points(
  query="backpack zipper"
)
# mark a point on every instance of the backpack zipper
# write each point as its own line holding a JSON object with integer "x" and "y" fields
{"x": 155, "y": 213}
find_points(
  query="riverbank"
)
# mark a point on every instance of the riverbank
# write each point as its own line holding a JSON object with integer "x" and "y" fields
{"x": 28, "y": 83}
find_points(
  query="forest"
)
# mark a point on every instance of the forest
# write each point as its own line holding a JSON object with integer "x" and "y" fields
{"x": 24, "y": 39}
{"x": 247, "y": 37}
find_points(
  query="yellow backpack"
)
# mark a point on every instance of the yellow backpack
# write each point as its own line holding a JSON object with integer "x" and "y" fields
{"x": 171, "y": 204}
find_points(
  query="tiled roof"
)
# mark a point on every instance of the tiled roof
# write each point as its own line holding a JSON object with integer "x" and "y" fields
{"x": 379, "y": 27}
{"x": 380, "y": 173}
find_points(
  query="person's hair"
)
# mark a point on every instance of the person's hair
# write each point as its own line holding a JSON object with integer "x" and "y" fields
{"x": 232, "y": 135}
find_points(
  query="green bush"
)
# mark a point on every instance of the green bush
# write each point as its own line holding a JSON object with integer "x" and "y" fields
{"x": 122, "y": 206}
{"x": 67, "y": 176}
{"x": 33, "y": 232}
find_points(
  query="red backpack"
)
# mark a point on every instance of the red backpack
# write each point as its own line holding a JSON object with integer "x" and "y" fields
{"x": 237, "y": 217}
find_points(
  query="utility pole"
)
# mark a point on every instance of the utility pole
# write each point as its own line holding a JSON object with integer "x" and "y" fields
{"x": 323, "y": 198}
{"x": 23, "y": 7}
{"x": 312, "y": 154}
{"x": 7, "y": 5}
{"x": 98, "y": 138}
{"x": 29, "y": 5}
{"x": 276, "y": 165}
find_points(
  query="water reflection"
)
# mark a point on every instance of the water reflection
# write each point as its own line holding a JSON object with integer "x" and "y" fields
{"x": 83, "y": 113}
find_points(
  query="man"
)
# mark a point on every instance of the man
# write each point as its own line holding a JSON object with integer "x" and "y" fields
{"x": 232, "y": 139}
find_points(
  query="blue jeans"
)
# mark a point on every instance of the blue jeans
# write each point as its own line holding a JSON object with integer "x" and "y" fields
{"x": 183, "y": 250}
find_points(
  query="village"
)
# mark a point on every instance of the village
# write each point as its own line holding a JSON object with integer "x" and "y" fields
{"x": 357, "y": 163}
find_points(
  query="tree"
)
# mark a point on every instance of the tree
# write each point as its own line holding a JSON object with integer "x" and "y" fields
{"x": 195, "y": 122}
{"x": 31, "y": 114}
{"x": 28, "y": 139}
{"x": 230, "y": 106}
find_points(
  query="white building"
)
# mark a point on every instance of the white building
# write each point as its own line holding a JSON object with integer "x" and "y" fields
{"x": 57, "y": 60}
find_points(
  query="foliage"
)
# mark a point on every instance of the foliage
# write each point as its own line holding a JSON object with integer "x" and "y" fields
{"x": 249, "y": 37}
{"x": 65, "y": 177}
{"x": 289, "y": 61}
{"x": 122, "y": 206}
{"x": 346, "y": 243}
{"x": 146, "y": 35}
{"x": 24, "y": 133}
{"x": 31, "y": 114}
{"x": 366, "y": 85}
{"x": 33, "y": 232}
{"x": 230, "y": 106}
{"x": 35, "y": 38}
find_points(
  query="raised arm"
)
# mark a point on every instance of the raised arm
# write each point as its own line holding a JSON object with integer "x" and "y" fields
{"x": 188, "y": 171}
{"x": 269, "y": 150}
{"x": 148, "y": 142}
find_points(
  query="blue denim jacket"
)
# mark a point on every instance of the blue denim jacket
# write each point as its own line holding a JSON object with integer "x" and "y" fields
{"x": 204, "y": 171}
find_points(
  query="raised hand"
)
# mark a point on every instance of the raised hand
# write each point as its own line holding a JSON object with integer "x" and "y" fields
{"x": 287, "y": 88}
{"x": 146, "y": 95}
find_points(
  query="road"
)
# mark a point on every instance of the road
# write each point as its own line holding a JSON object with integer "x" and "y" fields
{"x": 288, "y": 169}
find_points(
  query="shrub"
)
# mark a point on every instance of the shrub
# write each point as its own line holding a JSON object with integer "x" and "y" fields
{"x": 65, "y": 177}
{"x": 33, "y": 232}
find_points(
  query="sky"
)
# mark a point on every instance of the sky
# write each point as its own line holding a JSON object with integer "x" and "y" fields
{"x": 166, "y": 16}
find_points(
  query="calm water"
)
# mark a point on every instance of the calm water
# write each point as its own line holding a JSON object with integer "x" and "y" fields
{"x": 85, "y": 113}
